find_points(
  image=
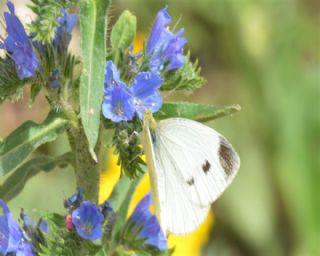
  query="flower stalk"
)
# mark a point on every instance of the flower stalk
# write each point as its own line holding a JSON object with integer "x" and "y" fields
{"x": 87, "y": 170}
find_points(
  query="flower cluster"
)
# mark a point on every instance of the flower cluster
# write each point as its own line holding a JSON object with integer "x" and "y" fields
{"x": 165, "y": 49}
{"x": 18, "y": 45}
{"x": 62, "y": 37}
{"x": 17, "y": 241}
{"x": 24, "y": 50}
{"x": 164, "y": 53}
{"x": 121, "y": 102}
{"x": 87, "y": 219}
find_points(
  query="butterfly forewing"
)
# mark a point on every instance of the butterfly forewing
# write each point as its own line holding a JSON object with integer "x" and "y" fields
{"x": 204, "y": 160}
{"x": 190, "y": 165}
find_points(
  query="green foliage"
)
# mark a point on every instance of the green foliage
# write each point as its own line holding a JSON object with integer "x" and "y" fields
{"x": 47, "y": 12}
{"x": 93, "y": 28}
{"x": 198, "y": 112}
{"x": 120, "y": 200}
{"x": 122, "y": 34}
{"x": 14, "y": 184}
{"x": 10, "y": 84}
{"x": 186, "y": 78}
{"x": 25, "y": 139}
{"x": 127, "y": 143}
{"x": 61, "y": 242}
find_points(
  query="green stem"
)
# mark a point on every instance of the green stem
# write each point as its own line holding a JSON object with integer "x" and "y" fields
{"x": 87, "y": 170}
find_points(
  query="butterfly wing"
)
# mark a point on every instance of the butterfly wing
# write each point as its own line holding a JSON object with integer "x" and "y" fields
{"x": 203, "y": 158}
{"x": 175, "y": 212}
{"x": 192, "y": 165}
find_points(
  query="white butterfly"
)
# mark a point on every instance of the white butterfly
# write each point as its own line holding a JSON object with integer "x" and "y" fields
{"x": 190, "y": 165}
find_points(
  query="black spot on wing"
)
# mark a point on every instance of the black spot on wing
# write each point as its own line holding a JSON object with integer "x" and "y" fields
{"x": 206, "y": 166}
{"x": 226, "y": 157}
{"x": 190, "y": 182}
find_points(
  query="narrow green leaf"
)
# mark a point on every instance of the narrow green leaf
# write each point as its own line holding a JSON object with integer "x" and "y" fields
{"x": 93, "y": 27}
{"x": 25, "y": 139}
{"x": 120, "y": 200}
{"x": 198, "y": 112}
{"x": 101, "y": 253}
{"x": 11, "y": 87}
{"x": 34, "y": 92}
{"x": 14, "y": 184}
{"x": 123, "y": 32}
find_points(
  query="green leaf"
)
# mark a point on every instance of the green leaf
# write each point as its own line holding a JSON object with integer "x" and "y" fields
{"x": 101, "y": 253}
{"x": 123, "y": 33}
{"x": 198, "y": 112}
{"x": 120, "y": 200}
{"x": 10, "y": 85}
{"x": 14, "y": 184}
{"x": 25, "y": 139}
{"x": 93, "y": 27}
{"x": 34, "y": 92}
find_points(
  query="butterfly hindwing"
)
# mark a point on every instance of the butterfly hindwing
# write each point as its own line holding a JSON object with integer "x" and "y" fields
{"x": 178, "y": 214}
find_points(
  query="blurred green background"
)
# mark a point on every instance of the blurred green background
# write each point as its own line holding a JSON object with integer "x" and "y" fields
{"x": 265, "y": 56}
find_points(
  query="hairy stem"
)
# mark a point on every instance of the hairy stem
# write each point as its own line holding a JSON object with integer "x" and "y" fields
{"x": 87, "y": 170}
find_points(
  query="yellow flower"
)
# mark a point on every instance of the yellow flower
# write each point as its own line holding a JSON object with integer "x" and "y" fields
{"x": 189, "y": 245}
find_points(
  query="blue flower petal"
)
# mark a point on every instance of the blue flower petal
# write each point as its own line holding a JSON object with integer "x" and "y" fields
{"x": 165, "y": 48}
{"x": 66, "y": 22}
{"x": 112, "y": 76}
{"x": 87, "y": 220}
{"x": 145, "y": 90}
{"x": 151, "y": 231}
{"x": 153, "y": 103}
{"x": 118, "y": 104}
{"x": 163, "y": 19}
{"x": 25, "y": 249}
{"x": 145, "y": 84}
{"x": 10, "y": 6}
{"x": 10, "y": 232}
{"x": 44, "y": 227}
{"x": 155, "y": 237}
{"x": 18, "y": 45}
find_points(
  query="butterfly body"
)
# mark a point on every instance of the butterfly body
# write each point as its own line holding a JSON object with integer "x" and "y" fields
{"x": 190, "y": 165}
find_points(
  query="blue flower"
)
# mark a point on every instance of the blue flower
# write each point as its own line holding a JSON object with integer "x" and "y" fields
{"x": 25, "y": 249}
{"x": 31, "y": 226}
{"x": 122, "y": 102}
{"x": 74, "y": 200}
{"x": 118, "y": 104}
{"x": 106, "y": 209}
{"x": 18, "y": 45}
{"x": 87, "y": 220}
{"x": 62, "y": 37}
{"x": 10, "y": 232}
{"x": 54, "y": 79}
{"x": 148, "y": 225}
{"x": 11, "y": 236}
{"x": 165, "y": 49}
{"x": 145, "y": 92}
